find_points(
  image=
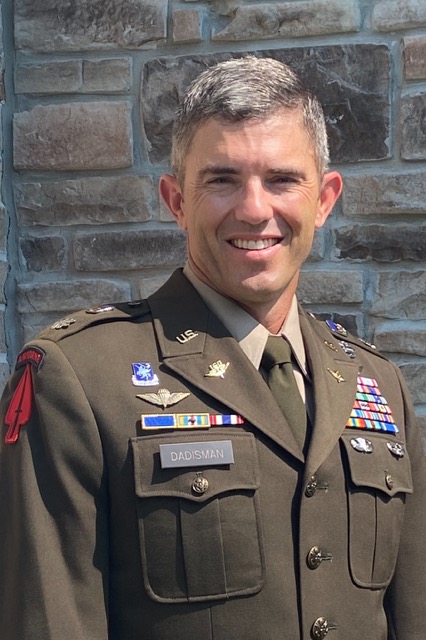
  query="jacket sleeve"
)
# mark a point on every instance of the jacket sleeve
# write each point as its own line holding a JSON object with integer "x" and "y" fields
{"x": 53, "y": 523}
{"x": 406, "y": 596}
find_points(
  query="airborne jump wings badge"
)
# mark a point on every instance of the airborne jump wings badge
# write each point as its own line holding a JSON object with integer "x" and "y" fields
{"x": 164, "y": 398}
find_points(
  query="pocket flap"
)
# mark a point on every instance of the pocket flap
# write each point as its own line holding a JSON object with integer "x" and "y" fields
{"x": 151, "y": 480}
{"x": 378, "y": 467}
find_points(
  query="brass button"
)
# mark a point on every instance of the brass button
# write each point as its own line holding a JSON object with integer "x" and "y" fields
{"x": 316, "y": 556}
{"x": 311, "y": 487}
{"x": 321, "y": 627}
{"x": 200, "y": 484}
{"x": 389, "y": 481}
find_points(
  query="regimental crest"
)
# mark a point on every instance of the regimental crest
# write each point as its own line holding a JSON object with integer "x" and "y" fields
{"x": 163, "y": 398}
{"x": 217, "y": 369}
{"x": 143, "y": 375}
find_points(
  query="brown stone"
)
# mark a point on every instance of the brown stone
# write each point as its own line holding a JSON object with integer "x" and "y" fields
{"x": 399, "y": 294}
{"x": 371, "y": 194}
{"x": 77, "y": 135}
{"x": 123, "y": 250}
{"x": 291, "y": 20}
{"x": 112, "y": 75}
{"x": 390, "y": 15}
{"x": 55, "y": 26}
{"x": 186, "y": 25}
{"x": 413, "y": 126}
{"x": 49, "y": 77}
{"x": 43, "y": 253}
{"x": 380, "y": 242}
{"x": 95, "y": 200}
{"x": 351, "y": 81}
{"x": 415, "y": 57}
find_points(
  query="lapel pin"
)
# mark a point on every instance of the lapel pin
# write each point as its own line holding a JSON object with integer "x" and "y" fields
{"x": 336, "y": 375}
{"x": 217, "y": 369}
{"x": 186, "y": 336}
{"x": 330, "y": 345}
{"x": 143, "y": 375}
{"x": 164, "y": 398}
{"x": 336, "y": 327}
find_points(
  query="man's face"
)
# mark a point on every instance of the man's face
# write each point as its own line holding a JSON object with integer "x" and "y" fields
{"x": 251, "y": 200}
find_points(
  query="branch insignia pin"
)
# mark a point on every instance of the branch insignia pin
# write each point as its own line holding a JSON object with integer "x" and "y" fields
{"x": 336, "y": 375}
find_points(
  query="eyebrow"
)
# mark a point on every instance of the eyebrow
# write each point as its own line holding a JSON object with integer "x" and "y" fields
{"x": 225, "y": 170}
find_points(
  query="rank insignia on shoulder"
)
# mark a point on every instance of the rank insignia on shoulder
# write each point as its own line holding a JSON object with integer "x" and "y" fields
{"x": 370, "y": 409}
{"x": 64, "y": 323}
{"x": 336, "y": 327}
{"x": 102, "y": 308}
{"x": 143, "y": 375}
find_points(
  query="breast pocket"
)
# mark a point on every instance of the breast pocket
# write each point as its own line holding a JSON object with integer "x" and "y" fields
{"x": 199, "y": 526}
{"x": 380, "y": 479}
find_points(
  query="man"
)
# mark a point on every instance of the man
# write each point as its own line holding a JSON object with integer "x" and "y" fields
{"x": 152, "y": 486}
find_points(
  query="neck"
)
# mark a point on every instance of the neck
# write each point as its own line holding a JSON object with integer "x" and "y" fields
{"x": 272, "y": 315}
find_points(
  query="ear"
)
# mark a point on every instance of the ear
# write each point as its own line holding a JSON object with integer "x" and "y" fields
{"x": 331, "y": 188}
{"x": 171, "y": 193}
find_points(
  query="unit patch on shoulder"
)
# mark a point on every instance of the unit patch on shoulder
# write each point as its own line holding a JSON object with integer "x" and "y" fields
{"x": 19, "y": 410}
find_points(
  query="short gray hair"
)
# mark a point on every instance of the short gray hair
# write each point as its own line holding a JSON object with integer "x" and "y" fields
{"x": 243, "y": 89}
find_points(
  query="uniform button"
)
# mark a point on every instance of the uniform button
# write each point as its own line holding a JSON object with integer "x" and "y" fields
{"x": 311, "y": 487}
{"x": 321, "y": 627}
{"x": 389, "y": 481}
{"x": 200, "y": 484}
{"x": 316, "y": 556}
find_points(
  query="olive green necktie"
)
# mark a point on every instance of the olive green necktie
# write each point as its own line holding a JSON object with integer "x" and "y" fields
{"x": 277, "y": 365}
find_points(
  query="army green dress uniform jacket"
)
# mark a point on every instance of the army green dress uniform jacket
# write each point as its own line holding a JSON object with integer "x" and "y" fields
{"x": 101, "y": 539}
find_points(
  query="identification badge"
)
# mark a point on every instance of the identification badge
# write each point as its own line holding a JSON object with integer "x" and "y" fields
{"x": 196, "y": 454}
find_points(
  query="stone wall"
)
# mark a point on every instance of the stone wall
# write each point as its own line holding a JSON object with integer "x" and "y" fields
{"x": 95, "y": 89}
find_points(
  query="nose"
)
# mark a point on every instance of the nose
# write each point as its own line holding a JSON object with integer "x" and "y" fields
{"x": 254, "y": 204}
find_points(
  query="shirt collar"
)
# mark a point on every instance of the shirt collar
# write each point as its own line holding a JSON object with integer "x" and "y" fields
{"x": 248, "y": 332}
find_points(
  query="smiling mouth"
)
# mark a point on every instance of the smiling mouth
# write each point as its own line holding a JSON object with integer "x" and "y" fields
{"x": 255, "y": 245}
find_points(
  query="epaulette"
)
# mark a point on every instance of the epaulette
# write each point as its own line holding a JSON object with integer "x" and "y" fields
{"x": 76, "y": 322}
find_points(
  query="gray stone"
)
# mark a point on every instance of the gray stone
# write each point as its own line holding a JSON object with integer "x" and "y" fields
{"x": 4, "y": 375}
{"x": 390, "y": 15}
{"x": 413, "y": 126}
{"x": 4, "y": 270}
{"x": 68, "y": 295}
{"x": 3, "y": 346}
{"x": 351, "y": 81}
{"x": 123, "y": 250}
{"x": 78, "y": 135}
{"x": 3, "y": 228}
{"x": 349, "y": 321}
{"x": 415, "y": 377}
{"x": 317, "y": 251}
{"x": 401, "y": 340}
{"x": 148, "y": 285}
{"x": 43, "y": 253}
{"x": 399, "y": 294}
{"x": 107, "y": 76}
{"x": 57, "y": 26}
{"x": 186, "y": 25}
{"x": 380, "y": 242}
{"x": 415, "y": 57}
{"x": 48, "y": 77}
{"x": 421, "y": 422}
{"x": 330, "y": 287}
{"x": 371, "y": 194}
{"x": 291, "y": 20}
{"x": 86, "y": 201}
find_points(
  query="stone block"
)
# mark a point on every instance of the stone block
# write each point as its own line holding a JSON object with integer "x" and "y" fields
{"x": 3, "y": 346}
{"x": 165, "y": 214}
{"x": 4, "y": 270}
{"x": 59, "y": 26}
{"x": 291, "y": 20}
{"x": 380, "y": 242}
{"x": 421, "y": 422}
{"x": 97, "y": 200}
{"x": 317, "y": 251}
{"x": 383, "y": 193}
{"x": 413, "y": 126}
{"x": 3, "y": 228}
{"x": 399, "y": 294}
{"x": 43, "y": 253}
{"x": 351, "y": 81}
{"x": 107, "y": 76}
{"x": 123, "y": 250}
{"x": 78, "y": 135}
{"x": 42, "y": 297}
{"x": 415, "y": 377}
{"x": 408, "y": 340}
{"x": 4, "y": 375}
{"x": 48, "y": 77}
{"x": 186, "y": 26}
{"x": 391, "y": 15}
{"x": 415, "y": 57}
{"x": 330, "y": 287}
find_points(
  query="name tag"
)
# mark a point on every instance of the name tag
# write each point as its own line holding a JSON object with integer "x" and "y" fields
{"x": 196, "y": 454}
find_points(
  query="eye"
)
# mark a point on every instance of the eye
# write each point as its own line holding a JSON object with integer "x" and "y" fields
{"x": 221, "y": 180}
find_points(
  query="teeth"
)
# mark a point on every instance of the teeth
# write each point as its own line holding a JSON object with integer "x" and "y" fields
{"x": 254, "y": 245}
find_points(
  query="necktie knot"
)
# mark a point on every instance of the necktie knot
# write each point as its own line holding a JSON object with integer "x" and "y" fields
{"x": 277, "y": 351}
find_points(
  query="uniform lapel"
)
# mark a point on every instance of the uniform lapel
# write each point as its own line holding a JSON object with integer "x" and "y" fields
{"x": 191, "y": 339}
{"x": 333, "y": 400}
